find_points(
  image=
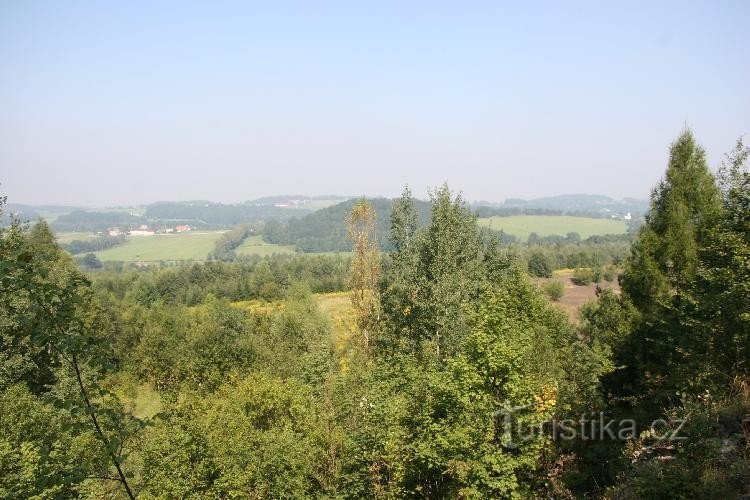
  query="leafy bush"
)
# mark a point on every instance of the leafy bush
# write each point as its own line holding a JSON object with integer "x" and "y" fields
{"x": 539, "y": 265}
{"x": 554, "y": 289}
{"x": 596, "y": 274}
{"x": 609, "y": 273}
{"x": 583, "y": 276}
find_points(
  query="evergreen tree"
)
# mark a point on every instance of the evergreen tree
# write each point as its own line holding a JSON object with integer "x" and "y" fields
{"x": 684, "y": 207}
{"x": 717, "y": 306}
{"x": 665, "y": 258}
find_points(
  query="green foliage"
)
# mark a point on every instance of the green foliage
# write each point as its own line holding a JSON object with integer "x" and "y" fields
{"x": 94, "y": 245}
{"x": 592, "y": 252}
{"x": 89, "y": 261}
{"x": 583, "y": 276}
{"x": 247, "y": 279}
{"x": 435, "y": 277}
{"x": 684, "y": 206}
{"x": 88, "y": 221}
{"x": 539, "y": 265}
{"x": 269, "y": 397}
{"x": 429, "y": 426}
{"x": 199, "y": 347}
{"x": 679, "y": 335}
{"x": 42, "y": 452}
{"x": 554, "y": 289}
{"x": 709, "y": 461}
{"x": 325, "y": 230}
{"x": 227, "y": 242}
{"x": 257, "y": 438}
{"x": 54, "y": 340}
{"x": 211, "y": 215}
{"x": 609, "y": 273}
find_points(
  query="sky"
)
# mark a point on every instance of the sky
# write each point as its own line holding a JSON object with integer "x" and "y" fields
{"x": 113, "y": 103}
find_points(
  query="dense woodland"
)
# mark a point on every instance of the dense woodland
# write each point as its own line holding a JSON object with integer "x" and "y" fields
{"x": 255, "y": 392}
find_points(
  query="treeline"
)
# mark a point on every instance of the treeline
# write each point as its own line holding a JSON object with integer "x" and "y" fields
{"x": 547, "y": 254}
{"x": 204, "y": 215}
{"x": 92, "y": 222}
{"x": 227, "y": 242}
{"x": 217, "y": 215}
{"x": 324, "y": 230}
{"x": 542, "y": 260}
{"x": 247, "y": 279}
{"x": 489, "y": 211}
{"x": 575, "y": 204}
{"x": 94, "y": 244}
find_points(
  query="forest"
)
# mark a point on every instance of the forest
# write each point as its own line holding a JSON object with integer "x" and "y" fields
{"x": 425, "y": 363}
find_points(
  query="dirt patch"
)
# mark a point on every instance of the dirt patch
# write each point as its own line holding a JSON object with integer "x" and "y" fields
{"x": 574, "y": 295}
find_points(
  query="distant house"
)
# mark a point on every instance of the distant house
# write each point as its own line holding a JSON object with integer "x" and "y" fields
{"x": 114, "y": 231}
{"x": 627, "y": 217}
{"x": 183, "y": 229}
{"x": 169, "y": 230}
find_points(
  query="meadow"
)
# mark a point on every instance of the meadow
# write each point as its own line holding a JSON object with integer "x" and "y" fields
{"x": 254, "y": 245}
{"x": 521, "y": 226}
{"x": 67, "y": 237}
{"x": 194, "y": 245}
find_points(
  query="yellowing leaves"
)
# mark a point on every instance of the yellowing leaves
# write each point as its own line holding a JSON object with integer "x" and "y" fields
{"x": 546, "y": 399}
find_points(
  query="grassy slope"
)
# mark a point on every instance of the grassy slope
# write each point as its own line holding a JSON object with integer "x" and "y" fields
{"x": 521, "y": 226}
{"x": 254, "y": 245}
{"x": 194, "y": 245}
{"x": 68, "y": 237}
{"x": 184, "y": 246}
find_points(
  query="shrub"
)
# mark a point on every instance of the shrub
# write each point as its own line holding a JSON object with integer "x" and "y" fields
{"x": 596, "y": 274}
{"x": 609, "y": 274}
{"x": 583, "y": 276}
{"x": 554, "y": 289}
{"x": 539, "y": 265}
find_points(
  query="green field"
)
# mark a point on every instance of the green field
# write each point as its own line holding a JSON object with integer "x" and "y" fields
{"x": 521, "y": 226}
{"x": 68, "y": 237}
{"x": 194, "y": 245}
{"x": 254, "y": 245}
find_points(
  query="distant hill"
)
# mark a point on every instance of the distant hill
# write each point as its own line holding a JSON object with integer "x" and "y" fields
{"x": 284, "y": 198}
{"x": 30, "y": 213}
{"x": 591, "y": 205}
{"x": 198, "y": 213}
{"x": 315, "y": 223}
{"x": 325, "y": 230}
{"x": 24, "y": 213}
{"x": 92, "y": 221}
{"x": 215, "y": 215}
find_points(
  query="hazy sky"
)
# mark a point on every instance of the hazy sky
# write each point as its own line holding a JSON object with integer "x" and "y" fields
{"x": 132, "y": 102}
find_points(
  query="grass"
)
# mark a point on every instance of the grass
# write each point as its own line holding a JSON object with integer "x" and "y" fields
{"x": 68, "y": 237}
{"x": 521, "y": 226}
{"x": 194, "y": 245}
{"x": 254, "y": 245}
